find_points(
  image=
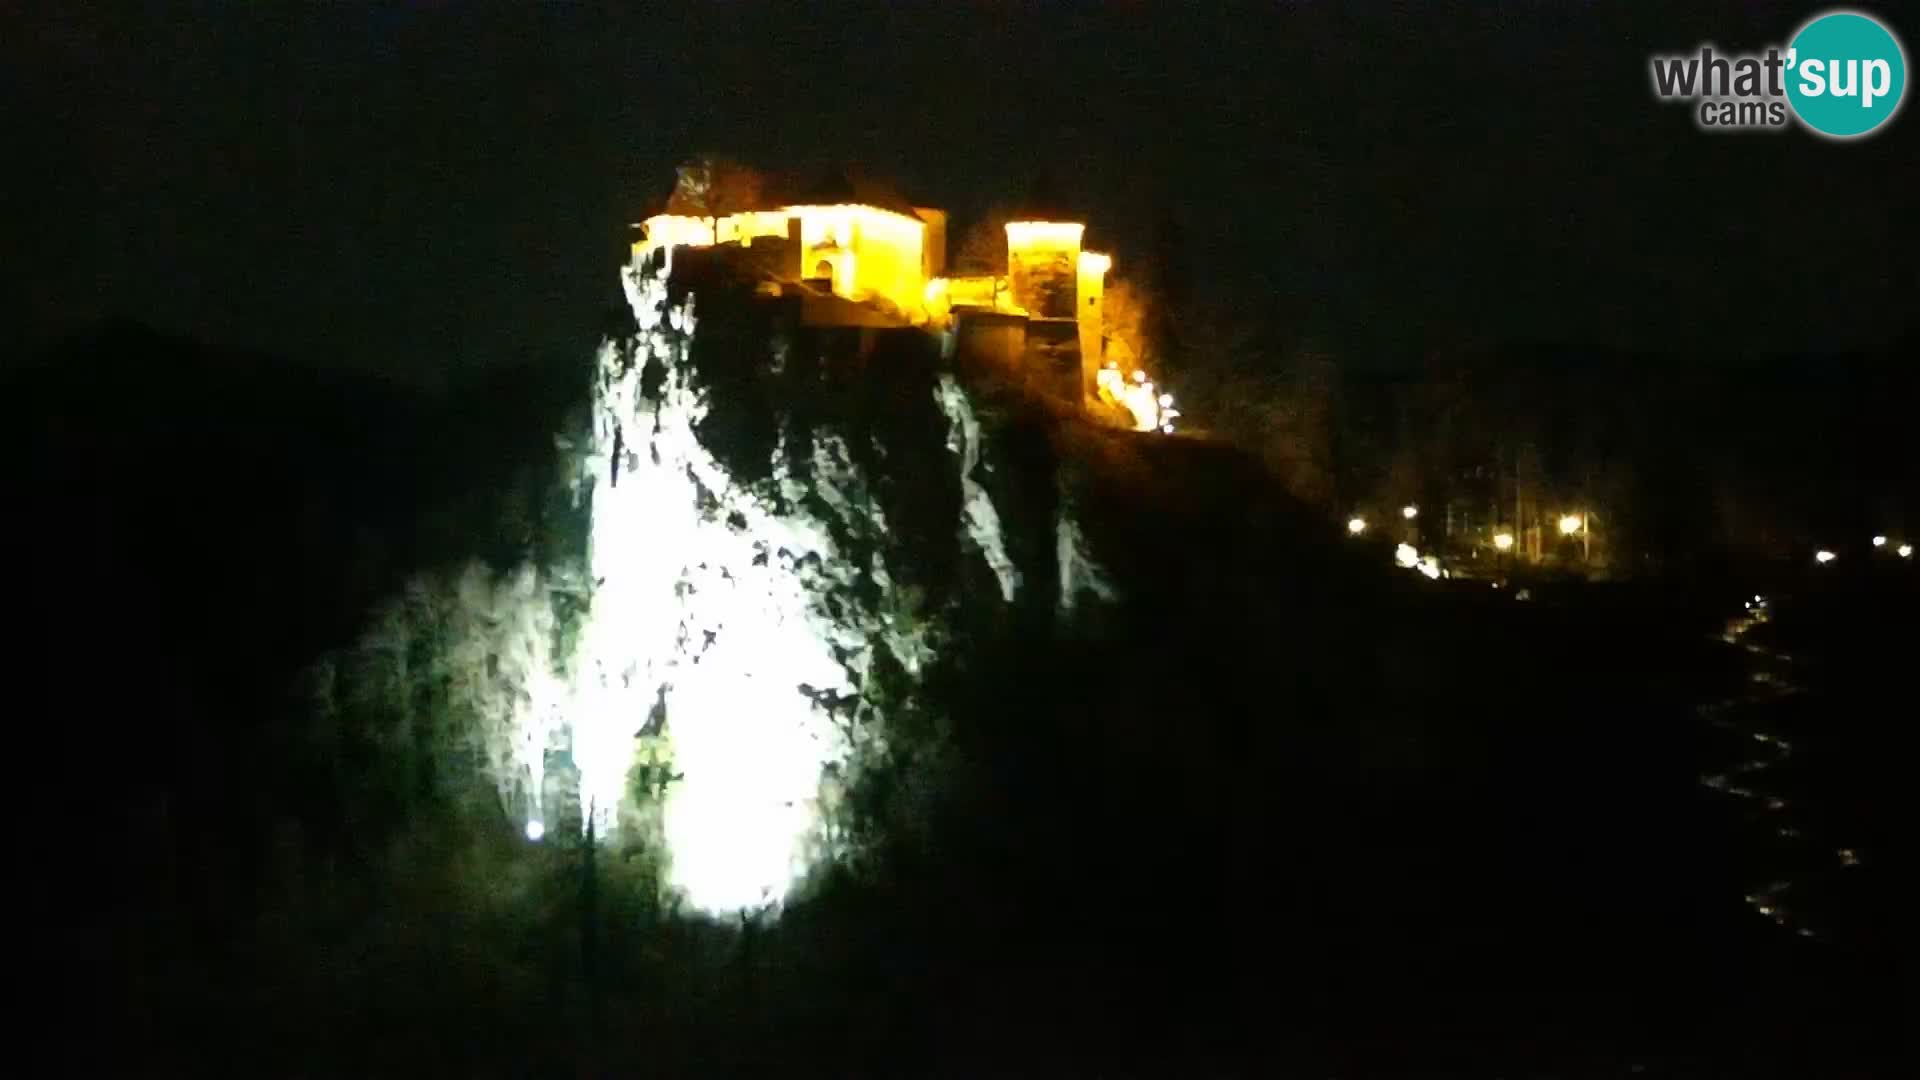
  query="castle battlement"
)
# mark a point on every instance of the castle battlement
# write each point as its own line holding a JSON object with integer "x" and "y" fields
{"x": 858, "y": 240}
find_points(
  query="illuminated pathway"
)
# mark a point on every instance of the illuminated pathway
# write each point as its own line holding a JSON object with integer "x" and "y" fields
{"x": 1755, "y": 781}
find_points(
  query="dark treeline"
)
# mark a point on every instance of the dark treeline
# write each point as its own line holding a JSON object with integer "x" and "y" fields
{"x": 1686, "y": 455}
{"x": 1683, "y": 457}
{"x": 188, "y": 528}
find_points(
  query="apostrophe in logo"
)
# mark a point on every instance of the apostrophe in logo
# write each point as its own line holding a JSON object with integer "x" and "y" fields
{"x": 1846, "y": 74}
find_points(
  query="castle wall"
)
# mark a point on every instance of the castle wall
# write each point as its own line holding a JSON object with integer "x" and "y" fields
{"x": 745, "y": 228}
{"x": 991, "y": 339}
{"x": 1093, "y": 291}
{"x": 1052, "y": 360}
{"x": 874, "y": 254}
{"x": 933, "y": 261}
{"x": 975, "y": 290}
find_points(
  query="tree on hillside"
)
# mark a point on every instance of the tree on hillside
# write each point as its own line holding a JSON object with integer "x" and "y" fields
{"x": 983, "y": 247}
{"x": 1170, "y": 274}
{"x": 1309, "y": 409}
{"x": 712, "y": 187}
{"x": 1126, "y": 320}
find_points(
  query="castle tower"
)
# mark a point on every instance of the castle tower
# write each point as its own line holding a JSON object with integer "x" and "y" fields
{"x": 1043, "y": 267}
{"x": 1092, "y": 302}
{"x": 1043, "y": 251}
{"x": 1043, "y": 276}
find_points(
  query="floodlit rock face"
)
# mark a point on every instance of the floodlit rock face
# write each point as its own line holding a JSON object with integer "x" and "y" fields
{"x": 817, "y": 561}
{"x": 809, "y": 545}
{"x": 788, "y": 525}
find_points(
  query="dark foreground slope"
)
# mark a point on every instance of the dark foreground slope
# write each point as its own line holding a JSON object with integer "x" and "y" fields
{"x": 1289, "y": 804}
{"x": 187, "y": 528}
{"x": 1280, "y": 808}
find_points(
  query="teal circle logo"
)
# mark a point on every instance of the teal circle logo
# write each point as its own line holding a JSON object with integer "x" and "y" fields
{"x": 1846, "y": 74}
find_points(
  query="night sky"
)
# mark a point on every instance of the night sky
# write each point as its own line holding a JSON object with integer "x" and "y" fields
{"x": 433, "y": 189}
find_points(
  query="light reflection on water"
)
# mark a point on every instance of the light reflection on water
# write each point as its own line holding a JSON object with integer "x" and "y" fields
{"x": 1799, "y": 859}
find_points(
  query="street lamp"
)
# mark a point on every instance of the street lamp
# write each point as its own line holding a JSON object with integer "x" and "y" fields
{"x": 1409, "y": 511}
{"x": 1503, "y": 541}
{"x": 1879, "y": 541}
{"x": 1356, "y": 526}
{"x": 1906, "y": 551}
{"x": 1582, "y": 525}
{"x": 1823, "y": 556}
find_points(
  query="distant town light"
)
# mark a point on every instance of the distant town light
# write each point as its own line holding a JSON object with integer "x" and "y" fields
{"x": 1879, "y": 541}
{"x": 1503, "y": 541}
{"x": 1570, "y": 524}
{"x": 1409, "y": 511}
{"x": 1823, "y": 556}
{"x": 1356, "y": 526}
{"x": 1906, "y": 551}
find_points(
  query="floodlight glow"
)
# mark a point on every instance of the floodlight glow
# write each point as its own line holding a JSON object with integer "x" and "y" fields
{"x": 1406, "y": 556}
{"x": 713, "y": 643}
{"x": 691, "y": 613}
{"x": 1503, "y": 541}
{"x": 1570, "y": 524}
{"x": 711, "y": 620}
{"x": 1151, "y": 410}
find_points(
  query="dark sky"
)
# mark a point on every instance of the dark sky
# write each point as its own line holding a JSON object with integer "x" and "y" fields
{"x": 428, "y": 189}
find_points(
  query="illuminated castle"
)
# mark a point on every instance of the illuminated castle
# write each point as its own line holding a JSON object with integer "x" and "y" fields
{"x": 883, "y": 260}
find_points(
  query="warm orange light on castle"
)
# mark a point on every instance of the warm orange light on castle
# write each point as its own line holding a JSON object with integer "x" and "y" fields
{"x": 672, "y": 230}
{"x": 866, "y": 252}
{"x": 890, "y": 260}
{"x": 1044, "y": 234}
